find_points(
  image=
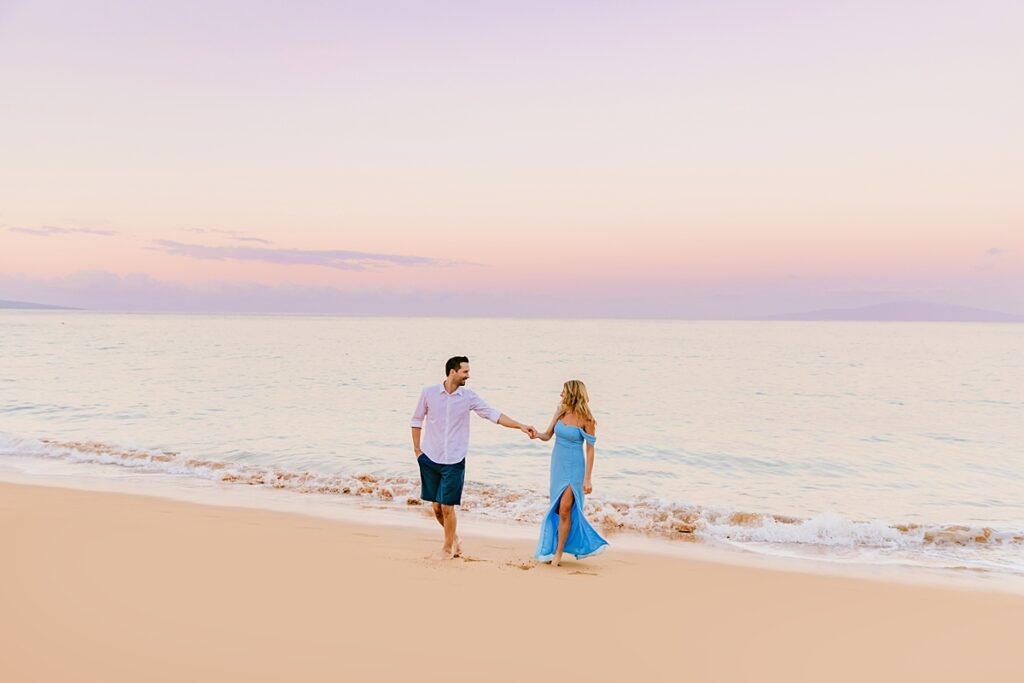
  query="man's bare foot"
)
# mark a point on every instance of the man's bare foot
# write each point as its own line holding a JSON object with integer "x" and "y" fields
{"x": 457, "y": 551}
{"x": 443, "y": 554}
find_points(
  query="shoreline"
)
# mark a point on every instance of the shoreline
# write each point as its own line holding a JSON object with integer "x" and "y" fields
{"x": 368, "y": 511}
{"x": 115, "y": 586}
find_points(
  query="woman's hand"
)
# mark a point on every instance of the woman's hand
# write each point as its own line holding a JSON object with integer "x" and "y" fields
{"x": 587, "y": 486}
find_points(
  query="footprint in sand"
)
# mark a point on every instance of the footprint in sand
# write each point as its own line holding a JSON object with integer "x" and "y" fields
{"x": 520, "y": 565}
{"x": 583, "y": 573}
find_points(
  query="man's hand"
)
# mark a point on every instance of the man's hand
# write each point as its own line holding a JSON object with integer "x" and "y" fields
{"x": 529, "y": 430}
{"x": 416, "y": 432}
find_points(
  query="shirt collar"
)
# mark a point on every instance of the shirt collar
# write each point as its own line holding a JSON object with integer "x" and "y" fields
{"x": 457, "y": 392}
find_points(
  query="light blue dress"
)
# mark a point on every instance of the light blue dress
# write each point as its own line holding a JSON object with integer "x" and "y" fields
{"x": 568, "y": 465}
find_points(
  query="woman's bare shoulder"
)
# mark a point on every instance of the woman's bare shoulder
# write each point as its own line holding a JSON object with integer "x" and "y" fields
{"x": 569, "y": 419}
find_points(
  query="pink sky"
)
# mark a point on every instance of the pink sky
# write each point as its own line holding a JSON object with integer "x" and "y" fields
{"x": 700, "y": 159}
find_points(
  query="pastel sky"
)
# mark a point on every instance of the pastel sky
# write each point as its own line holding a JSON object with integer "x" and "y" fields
{"x": 692, "y": 159}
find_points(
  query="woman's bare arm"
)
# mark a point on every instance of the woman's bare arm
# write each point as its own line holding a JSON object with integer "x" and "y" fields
{"x": 547, "y": 433}
{"x": 591, "y": 429}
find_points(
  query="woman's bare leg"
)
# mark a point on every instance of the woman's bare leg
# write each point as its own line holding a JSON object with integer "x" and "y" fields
{"x": 564, "y": 522}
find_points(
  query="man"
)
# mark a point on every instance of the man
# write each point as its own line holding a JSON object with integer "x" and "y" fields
{"x": 442, "y": 459}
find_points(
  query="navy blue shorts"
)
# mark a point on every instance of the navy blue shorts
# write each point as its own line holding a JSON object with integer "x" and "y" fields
{"x": 441, "y": 483}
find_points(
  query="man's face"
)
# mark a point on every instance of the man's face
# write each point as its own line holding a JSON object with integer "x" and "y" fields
{"x": 461, "y": 375}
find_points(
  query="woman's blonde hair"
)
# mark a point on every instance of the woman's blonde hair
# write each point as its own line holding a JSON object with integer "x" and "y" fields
{"x": 577, "y": 401}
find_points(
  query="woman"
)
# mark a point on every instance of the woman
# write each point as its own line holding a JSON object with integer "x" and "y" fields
{"x": 564, "y": 528}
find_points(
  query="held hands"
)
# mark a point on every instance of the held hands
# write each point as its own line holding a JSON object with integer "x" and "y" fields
{"x": 529, "y": 430}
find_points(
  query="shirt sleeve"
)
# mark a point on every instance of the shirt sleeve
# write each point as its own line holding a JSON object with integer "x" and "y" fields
{"x": 420, "y": 412}
{"x": 480, "y": 407}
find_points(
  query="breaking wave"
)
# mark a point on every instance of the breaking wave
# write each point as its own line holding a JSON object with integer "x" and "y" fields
{"x": 647, "y": 515}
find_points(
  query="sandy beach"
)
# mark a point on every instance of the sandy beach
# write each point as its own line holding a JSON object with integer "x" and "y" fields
{"x": 112, "y": 587}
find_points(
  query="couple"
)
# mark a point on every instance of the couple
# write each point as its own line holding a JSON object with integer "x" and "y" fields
{"x": 441, "y": 454}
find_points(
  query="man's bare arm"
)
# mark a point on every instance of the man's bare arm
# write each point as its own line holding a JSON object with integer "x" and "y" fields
{"x": 506, "y": 421}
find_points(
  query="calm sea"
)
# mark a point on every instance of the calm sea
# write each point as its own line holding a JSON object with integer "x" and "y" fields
{"x": 853, "y": 442}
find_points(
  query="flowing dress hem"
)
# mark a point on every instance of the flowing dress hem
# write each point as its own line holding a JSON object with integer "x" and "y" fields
{"x": 551, "y": 556}
{"x": 579, "y": 517}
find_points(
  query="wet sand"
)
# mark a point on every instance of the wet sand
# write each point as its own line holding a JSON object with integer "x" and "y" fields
{"x": 111, "y": 587}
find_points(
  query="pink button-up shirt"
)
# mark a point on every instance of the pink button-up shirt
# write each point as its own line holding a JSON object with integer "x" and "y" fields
{"x": 445, "y": 437}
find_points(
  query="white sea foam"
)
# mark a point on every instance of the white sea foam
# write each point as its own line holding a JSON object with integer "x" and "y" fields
{"x": 649, "y": 515}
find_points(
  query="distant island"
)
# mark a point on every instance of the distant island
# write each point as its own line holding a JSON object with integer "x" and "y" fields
{"x": 905, "y": 311}
{"x": 28, "y": 305}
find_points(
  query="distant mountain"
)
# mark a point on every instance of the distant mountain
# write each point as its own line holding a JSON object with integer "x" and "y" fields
{"x": 905, "y": 311}
{"x": 25, "y": 304}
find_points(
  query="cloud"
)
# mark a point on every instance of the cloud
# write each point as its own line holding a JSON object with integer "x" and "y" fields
{"x": 233, "y": 234}
{"x": 252, "y": 239}
{"x": 994, "y": 251}
{"x": 96, "y": 231}
{"x": 328, "y": 258}
{"x": 48, "y": 230}
{"x": 45, "y": 231}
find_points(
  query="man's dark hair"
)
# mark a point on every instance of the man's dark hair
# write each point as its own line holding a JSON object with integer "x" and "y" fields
{"x": 454, "y": 363}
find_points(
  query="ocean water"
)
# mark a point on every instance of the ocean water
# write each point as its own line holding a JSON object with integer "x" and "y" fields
{"x": 869, "y": 443}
